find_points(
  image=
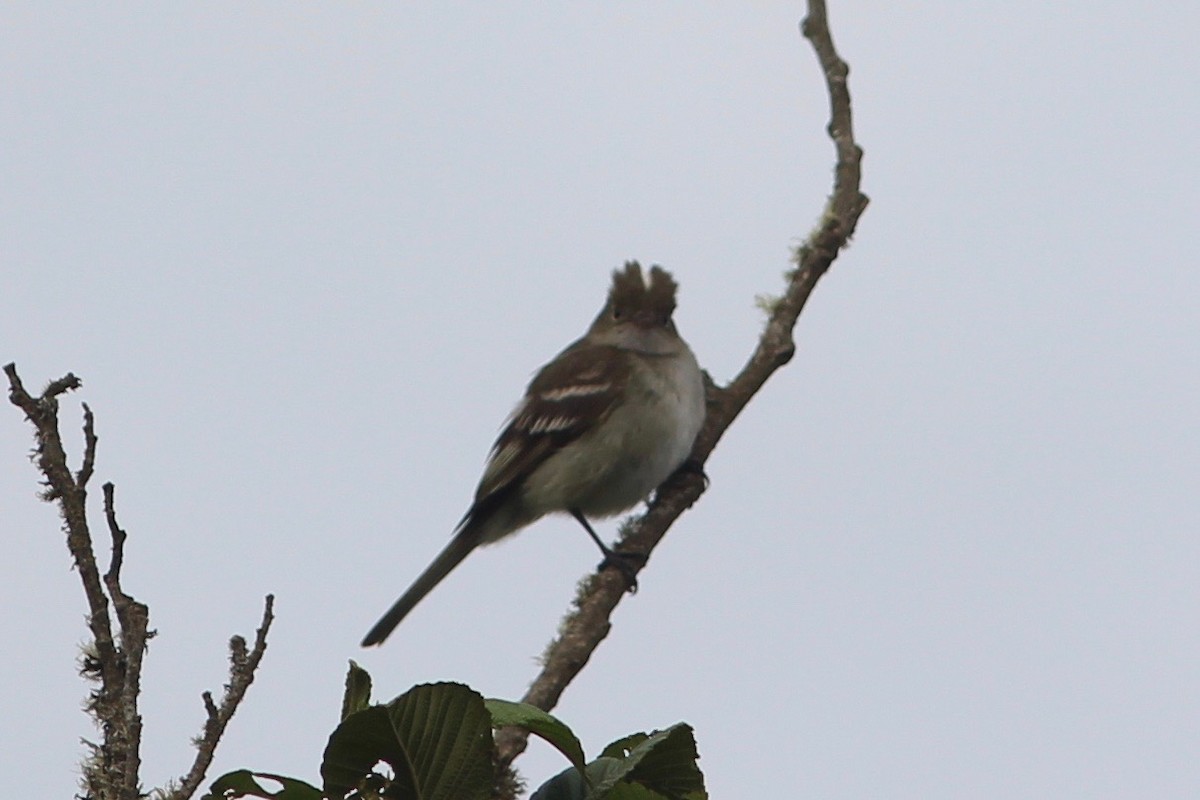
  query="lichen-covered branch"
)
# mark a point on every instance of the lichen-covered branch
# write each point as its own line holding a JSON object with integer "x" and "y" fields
{"x": 588, "y": 623}
{"x": 70, "y": 492}
{"x": 112, "y": 771}
{"x": 134, "y": 621}
{"x": 114, "y": 661}
{"x": 243, "y": 664}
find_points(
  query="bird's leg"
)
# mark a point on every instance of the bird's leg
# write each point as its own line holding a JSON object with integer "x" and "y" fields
{"x": 626, "y": 563}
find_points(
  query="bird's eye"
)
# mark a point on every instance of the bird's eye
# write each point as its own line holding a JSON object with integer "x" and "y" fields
{"x": 617, "y": 313}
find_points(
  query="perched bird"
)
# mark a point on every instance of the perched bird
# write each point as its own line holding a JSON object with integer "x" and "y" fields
{"x": 599, "y": 428}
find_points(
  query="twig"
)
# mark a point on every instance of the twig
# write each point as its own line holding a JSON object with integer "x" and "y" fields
{"x": 588, "y": 625}
{"x": 71, "y": 495}
{"x": 89, "y": 447}
{"x": 242, "y": 666}
{"x": 112, "y": 772}
{"x": 134, "y": 619}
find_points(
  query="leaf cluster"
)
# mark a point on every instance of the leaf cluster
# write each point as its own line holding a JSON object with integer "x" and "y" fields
{"x": 435, "y": 742}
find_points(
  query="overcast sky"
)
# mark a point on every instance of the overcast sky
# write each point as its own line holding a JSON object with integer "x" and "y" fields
{"x": 306, "y": 257}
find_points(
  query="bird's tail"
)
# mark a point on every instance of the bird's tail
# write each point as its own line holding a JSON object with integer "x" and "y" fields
{"x": 463, "y": 542}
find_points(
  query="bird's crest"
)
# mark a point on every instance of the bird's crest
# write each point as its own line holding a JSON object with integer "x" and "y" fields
{"x": 631, "y": 294}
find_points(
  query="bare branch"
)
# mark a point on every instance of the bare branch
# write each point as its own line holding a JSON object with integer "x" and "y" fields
{"x": 588, "y": 624}
{"x": 112, "y": 771}
{"x": 134, "y": 619}
{"x": 847, "y": 203}
{"x": 242, "y": 666}
{"x": 72, "y": 499}
{"x": 89, "y": 448}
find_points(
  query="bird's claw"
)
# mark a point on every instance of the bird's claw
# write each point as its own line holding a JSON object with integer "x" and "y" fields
{"x": 694, "y": 466}
{"x": 625, "y": 562}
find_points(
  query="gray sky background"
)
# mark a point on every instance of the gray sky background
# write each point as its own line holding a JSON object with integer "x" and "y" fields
{"x": 305, "y": 259}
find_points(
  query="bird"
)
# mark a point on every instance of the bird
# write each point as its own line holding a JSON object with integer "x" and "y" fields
{"x": 599, "y": 428}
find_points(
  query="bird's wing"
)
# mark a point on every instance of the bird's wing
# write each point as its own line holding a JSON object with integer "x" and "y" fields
{"x": 567, "y": 398}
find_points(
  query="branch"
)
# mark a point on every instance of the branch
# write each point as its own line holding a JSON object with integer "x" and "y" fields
{"x": 71, "y": 495}
{"x": 134, "y": 619}
{"x": 112, "y": 772}
{"x": 588, "y": 624}
{"x": 242, "y": 666}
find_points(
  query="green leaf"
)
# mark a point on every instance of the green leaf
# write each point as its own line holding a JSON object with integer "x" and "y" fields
{"x": 536, "y": 721}
{"x": 244, "y": 783}
{"x": 357, "y": 696}
{"x": 633, "y": 791}
{"x": 602, "y": 774}
{"x": 665, "y": 761}
{"x": 566, "y": 785}
{"x": 622, "y": 747}
{"x": 605, "y": 775}
{"x": 363, "y": 740}
{"x": 437, "y": 738}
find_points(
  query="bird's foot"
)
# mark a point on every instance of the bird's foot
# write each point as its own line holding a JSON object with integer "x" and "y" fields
{"x": 694, "y": 466}
{"x": 625, "y": 562}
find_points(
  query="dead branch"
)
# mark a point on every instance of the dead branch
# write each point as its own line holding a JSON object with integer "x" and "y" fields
{"x": 242, "y": 666}
{"x": 116, "y": 663}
